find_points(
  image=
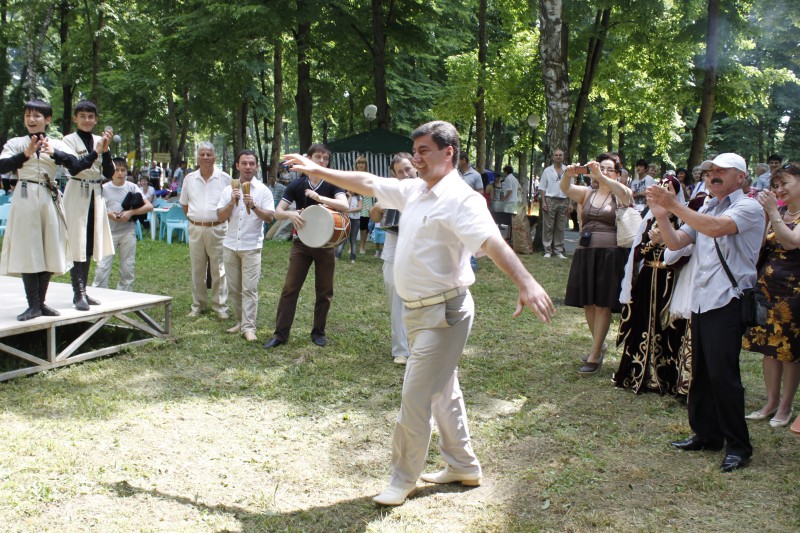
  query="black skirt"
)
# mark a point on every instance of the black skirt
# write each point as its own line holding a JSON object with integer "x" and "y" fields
{"x": 595, "y": 277}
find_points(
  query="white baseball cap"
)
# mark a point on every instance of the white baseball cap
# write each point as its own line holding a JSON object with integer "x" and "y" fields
{"x": 728, "y": 160}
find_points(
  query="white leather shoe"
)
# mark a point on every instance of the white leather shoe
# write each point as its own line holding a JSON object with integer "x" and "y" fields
{"x": 250, "y": 336}
{"x": 469, "y": 479}
{"x": 393, "y": 495}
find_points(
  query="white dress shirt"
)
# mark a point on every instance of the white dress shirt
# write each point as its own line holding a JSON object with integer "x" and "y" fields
{"x": 440, "y": 229}
{"x": 550, "y": 182}
{"x": 246, "y": 232}
{"x": 202, "y": 196}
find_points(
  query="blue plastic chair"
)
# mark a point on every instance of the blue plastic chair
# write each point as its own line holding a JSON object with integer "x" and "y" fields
{"x": 5, "y": 209}
{"x": 159, "y": 202}
{"x": 139, "y": 230}
{"x": 176, "y": 221}
{"x": 5, "y": 199}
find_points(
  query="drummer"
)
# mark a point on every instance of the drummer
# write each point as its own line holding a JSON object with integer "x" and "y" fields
{"x": 306, "y": 191}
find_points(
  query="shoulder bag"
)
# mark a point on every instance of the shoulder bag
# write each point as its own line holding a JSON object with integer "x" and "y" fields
{"x": 628, "y": 220}
{"x": 754, "y": 304}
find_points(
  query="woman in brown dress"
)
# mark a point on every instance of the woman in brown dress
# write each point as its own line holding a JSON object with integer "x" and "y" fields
{"x": 598, "y": 264}
{"x": 779, "y": 280}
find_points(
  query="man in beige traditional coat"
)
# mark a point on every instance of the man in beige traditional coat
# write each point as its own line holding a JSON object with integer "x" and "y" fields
{"x": 36, "y": 244}
{"x": 87, "y": 224}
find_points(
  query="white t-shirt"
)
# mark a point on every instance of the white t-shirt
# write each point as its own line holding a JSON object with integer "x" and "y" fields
{"x": 114, "y": 196}
{"x": 510, "y": 183}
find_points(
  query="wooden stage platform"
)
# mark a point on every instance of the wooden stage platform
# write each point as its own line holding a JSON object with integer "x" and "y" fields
{"x": 50, "y": 342}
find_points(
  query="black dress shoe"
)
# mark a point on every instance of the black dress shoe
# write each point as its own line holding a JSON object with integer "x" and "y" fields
{"x": 273, "y": 342}
{"x": 694, "y": 444}
{"x": 320, "y": 341}
{"x": 733, "y": 462}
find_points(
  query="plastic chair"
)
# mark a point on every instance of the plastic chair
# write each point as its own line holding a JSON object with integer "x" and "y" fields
{"x": 5, "y": 209}
{"x": 159, "y": 202}
{"x": 5, "y": 199}
{"x": 177, "y": 221}
{"x": 162, "y": 221}
{"x": 139, "y": 230}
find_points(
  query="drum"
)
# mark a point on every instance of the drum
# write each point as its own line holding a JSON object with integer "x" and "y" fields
{"x": 323, "y": 228}
{"x": 391, "y": 220}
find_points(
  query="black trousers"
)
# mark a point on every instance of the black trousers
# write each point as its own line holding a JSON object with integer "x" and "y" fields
{"x": 300, "y": 259}
{"x": 716, "y": 394}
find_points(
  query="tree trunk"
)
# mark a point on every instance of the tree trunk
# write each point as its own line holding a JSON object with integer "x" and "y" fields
{"x": 277, "y": 105}
{"x": 97, "y": 41}
{"x": 480, "y": 97}
{"x": 303, "y": 97}
{"x": 596, "y": 43}
{"x": 709, "y": 86}
{"x": 379, "y": 64}
{"x": 609, "y": 138}
{"x": 262, "y": 150}
{"x": 553, "y": 49}
{"x": 5, "y": 71}
{"x": 172, "y": 119}
{"x": 66, "y": 83}
{"x": 621, "y": 142}
{"x": 240, "y": 126}
{"x": 184, "y": 125}
{"x": 35, "y": 50}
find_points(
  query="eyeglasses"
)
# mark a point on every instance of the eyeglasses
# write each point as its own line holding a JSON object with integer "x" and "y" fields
{"x": 608, "y": 170}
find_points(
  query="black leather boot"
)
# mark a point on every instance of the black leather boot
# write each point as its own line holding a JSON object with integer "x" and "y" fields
{"x": 31, "y": 284}
{"x": 79, "y": 286}
{"x": 44, "y": 282}
{"x": 85, "y": 278}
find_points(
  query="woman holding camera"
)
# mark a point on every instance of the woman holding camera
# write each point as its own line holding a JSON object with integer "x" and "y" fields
{"x": 779, "y": 339}
{"x": 598, "y": 265}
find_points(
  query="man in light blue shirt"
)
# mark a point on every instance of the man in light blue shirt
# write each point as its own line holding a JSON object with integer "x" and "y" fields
{"x": 736, "y": 223}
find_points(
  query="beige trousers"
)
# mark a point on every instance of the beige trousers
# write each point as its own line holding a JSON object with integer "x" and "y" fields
{"x": 205, "y": 246}
{"x": 437, "y": 335}
{"x": 243, "y": 270}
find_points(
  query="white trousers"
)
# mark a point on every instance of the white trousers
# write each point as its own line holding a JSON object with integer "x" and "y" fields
{"x": 437, "y": 335}
{"x": 125, "y": 249}
{"x": 243, "y": 272}
{"x": 205, "y": 246}
{"x": 399, "y": 337}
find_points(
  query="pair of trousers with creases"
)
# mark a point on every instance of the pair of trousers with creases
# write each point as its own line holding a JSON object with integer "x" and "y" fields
{"x": 300, "y": 259}
{"x": 396, "y": 306}
{"x": 243, "y": 272}
{"x": 716, "y": 393}
{"x": 205, "y": 249}
{"x": 437, "y": 335}
{"x": 125, "y": 249}
{"x": 554, "y": 221}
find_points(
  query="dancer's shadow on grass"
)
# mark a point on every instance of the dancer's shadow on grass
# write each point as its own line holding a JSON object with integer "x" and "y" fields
{"x": 347, "y": 515}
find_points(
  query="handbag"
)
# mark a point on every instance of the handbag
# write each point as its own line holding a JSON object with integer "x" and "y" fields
{"x": 134, "y": 200}
{"x": 628, "y": 220}
{"x": 755, "y": 306}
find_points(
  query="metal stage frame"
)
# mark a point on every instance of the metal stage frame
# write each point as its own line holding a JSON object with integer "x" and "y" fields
{"x": 130, "y": 309}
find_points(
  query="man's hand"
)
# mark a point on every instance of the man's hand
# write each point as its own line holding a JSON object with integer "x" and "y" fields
{"x": 124, "y": 216}
{"x": 46, "y": 147}
{"x": 536, "y": 298}
{"x": 301, "y": 163}
{"x": 105, "y": 141}
{"x": 248, "y": 201}
{"x": 34, "y": 146}
{"x": 658, "y": 196}
{"x": 236, "y": 194}
{"x": 297, "y": 219}
{"x": 314, "y": 195}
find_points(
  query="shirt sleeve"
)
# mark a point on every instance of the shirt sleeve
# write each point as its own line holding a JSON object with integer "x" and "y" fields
{"x": 473, "y": 223}
{"x": 184, "y": 199}
{"x": 746, "y": 214}
{"x": 393, "y": 193}
{"x": 225, "y": 197}
{"x": 267, "y": 202}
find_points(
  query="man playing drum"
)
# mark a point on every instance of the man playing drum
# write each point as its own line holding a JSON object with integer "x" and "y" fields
{"x": 306, "y": 191}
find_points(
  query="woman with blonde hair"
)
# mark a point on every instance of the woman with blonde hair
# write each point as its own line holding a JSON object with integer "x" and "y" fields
{"x": 366, "y": 205}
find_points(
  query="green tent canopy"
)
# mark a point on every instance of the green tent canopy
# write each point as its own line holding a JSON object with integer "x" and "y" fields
{"x": 377, "y": 146}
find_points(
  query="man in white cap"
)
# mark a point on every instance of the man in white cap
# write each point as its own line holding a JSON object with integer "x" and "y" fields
{"x": 734, "y": 223}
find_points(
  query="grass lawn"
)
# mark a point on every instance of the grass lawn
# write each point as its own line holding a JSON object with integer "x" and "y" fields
{"x": 206, "y": 432}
